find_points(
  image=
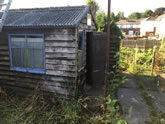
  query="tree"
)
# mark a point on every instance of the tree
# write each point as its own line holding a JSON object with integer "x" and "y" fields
{"x": 101, "y": 20}
{"x": 114, "y": 29}
{"x": 120, "y": 16}
{"x": 113, "y": 17}
{"x": 94, "y": 6}
{"x": 135, "y": 15}
{"x": 147, "y": 13}
{"x": 159, "y": 11}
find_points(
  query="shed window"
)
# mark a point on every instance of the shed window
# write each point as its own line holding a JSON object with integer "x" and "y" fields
{"x": 81, "y": 39}
{"x": 27, "y": 53}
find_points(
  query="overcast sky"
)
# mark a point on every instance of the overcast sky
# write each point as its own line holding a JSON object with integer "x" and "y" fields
{"x": 127, "y": 6}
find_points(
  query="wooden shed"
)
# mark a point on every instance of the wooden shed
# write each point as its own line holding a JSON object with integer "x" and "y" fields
{"x": 45, "y": 48}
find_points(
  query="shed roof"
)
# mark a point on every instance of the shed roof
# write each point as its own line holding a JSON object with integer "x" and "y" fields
{"x": 56, "y": 17}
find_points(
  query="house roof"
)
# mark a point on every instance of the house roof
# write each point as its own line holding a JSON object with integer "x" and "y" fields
{"x": 156, "y": 18}
{"x": 129, "y": 21}
{"x": 58, "y": 17}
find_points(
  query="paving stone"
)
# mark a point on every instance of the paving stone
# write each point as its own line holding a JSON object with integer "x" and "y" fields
{"x": 158, "y": 99}
{"x": 130, "y": 84}
{"x": 135, "y": 110}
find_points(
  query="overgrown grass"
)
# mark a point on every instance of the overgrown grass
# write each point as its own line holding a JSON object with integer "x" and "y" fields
{"x": 38, "y": 110}
{"x": 136, "y": 60}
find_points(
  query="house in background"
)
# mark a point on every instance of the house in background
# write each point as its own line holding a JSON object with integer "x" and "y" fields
{"x": 153, "y": 27}
{"x": 130, "y": 27}
{"x": 45, "y": 48}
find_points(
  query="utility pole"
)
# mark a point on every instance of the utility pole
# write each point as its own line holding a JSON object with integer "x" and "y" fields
{"x": 107, "y": 54}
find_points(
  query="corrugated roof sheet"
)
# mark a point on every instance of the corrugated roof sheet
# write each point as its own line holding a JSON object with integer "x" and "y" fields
{"x": 66, "y": 17}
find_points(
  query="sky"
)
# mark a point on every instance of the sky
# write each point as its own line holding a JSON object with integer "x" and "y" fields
{"x": 126, "y": 6}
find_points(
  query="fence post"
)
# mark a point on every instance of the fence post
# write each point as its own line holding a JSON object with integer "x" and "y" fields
{"x": 153, "y": 60}
{"x": 145, "y": 43}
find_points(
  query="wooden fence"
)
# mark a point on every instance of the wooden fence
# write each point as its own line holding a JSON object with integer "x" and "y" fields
{"x": 158, "y": 62}
{"x": 141, "y": 44}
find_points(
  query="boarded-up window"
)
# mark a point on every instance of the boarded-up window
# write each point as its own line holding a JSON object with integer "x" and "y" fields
{"x": 27, "y": 53}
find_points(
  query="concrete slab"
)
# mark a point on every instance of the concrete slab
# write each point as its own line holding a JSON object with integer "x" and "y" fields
{"x": 158, "y": 100}
{"x": 135, "y": 110}
{"x": 130, "y": 84}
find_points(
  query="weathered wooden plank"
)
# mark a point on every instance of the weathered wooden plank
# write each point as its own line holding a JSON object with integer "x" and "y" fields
{"x": 4, "y": 67}
{"x": 60, "y": 37}
{"x": 8, "y": 75}
{"x": 6, "y": 53}
{"x": 63, "y": 73}
{"x": 65, "y": 56}
{"x": 6, "y": 58}
{"x": 60, "y": 50}
{"x": 5, "y": 63}
{"x": 55, "y": 90}
{"x": 25, "y": 82}
{"x": 59, "y": 84}
{"x": 4, "y": 47}
{"x": 60, "y": 67}
{"x": 20, "y": 84}
{"x": 62, "y": 79}
{"x": 60, "y": 62}
{"x": 66, "y": 44}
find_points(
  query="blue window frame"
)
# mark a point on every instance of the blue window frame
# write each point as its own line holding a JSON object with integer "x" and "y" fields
{"x": 27, "y": 52}
{"x": 81, "y": 52}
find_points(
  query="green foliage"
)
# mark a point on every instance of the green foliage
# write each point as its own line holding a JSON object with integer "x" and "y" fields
{"x": 116, "y": 78}
{"x": 111, "y": 115}
{"x": 162, "y": 47}
{"x": 135, "y": 15}
{"x": 113, "y": 17}
{"x": 120, "y": 15}
{"x": 147, "y": 13}
{"x": 159, "y": 11}
{"x": 136, "y": 60}
{"x": 101, "y": 21}
{"x": 37, "y": 110}
{"x": 93, "y": 5}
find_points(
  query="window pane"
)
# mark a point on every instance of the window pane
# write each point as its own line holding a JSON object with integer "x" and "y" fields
{"x": 27, "y": 58}
{"x": 16, "y": 57}
{"x": 18, "y": 41}
{"x": 80, "y": 41}
{"x": 35, "y": 42}
{"x": 38, "y": 59}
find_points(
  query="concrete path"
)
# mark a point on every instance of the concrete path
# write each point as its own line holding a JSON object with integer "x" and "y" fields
{"x": 135, "y": 110}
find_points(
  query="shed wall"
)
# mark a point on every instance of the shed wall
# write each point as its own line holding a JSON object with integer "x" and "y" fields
{"x": 83, "y": 26}
{"x": 60, "y": 59}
